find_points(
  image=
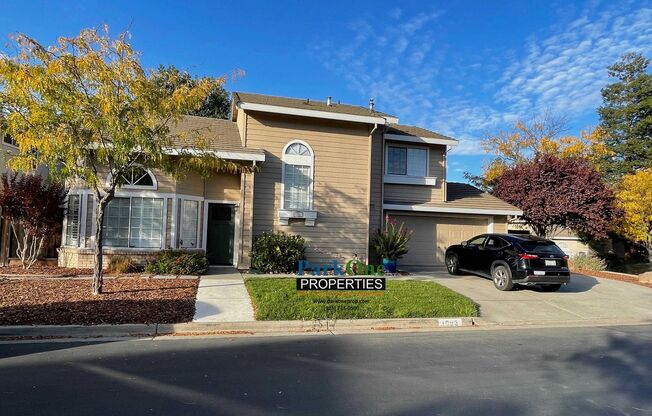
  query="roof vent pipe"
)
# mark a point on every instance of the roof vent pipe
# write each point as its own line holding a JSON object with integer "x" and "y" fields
{"x": 371, "y": 104}
{"x": 329, "y": 101}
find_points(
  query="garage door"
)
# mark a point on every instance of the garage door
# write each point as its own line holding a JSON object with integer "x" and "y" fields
{"x": 432, "y": 235}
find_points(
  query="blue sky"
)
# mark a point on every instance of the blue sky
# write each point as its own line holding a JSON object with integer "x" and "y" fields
{"x": 460, "y": 68}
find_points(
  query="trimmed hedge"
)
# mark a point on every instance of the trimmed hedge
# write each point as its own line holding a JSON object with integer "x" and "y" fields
{"x": 178, "y": 262}
{"x": 277, "y": 252}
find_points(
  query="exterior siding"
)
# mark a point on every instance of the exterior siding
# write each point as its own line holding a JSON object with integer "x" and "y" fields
{"x": 341, "y": 182}
{"x": 376, "y": 189}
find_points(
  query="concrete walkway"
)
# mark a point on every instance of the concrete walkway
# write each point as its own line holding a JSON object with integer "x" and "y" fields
{"x": 222, "y": 297}
{"x": 585, "y": 299}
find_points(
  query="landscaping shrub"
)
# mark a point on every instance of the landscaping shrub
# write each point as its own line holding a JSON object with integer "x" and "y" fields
{"x": 178, "y": 262}
{"x": 588, "y": 262}
{"x": 277, "y": 252}
{"x": 123, "y": 264}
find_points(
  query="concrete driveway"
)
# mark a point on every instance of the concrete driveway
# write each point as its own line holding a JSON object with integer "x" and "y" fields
{"x": 584, "y": 300}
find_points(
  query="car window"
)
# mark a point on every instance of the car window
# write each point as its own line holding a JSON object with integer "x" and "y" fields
{"x": 495, "y": 242}
{"x": 542, "y": 247}
{"x": 477, "y": 241}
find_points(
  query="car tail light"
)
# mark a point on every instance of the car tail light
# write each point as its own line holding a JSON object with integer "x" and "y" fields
{"x": 526, "y": 256}
{"x": 566, "y": 257}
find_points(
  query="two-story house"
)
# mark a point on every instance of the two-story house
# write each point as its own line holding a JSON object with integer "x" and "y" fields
{"x": 327, "y": 171}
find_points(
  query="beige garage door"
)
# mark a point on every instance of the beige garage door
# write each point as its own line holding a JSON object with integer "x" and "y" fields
{"x": 432, "y": 235}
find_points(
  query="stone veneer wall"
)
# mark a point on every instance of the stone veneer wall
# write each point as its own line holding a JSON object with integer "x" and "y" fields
{"x": 84, "y": 258}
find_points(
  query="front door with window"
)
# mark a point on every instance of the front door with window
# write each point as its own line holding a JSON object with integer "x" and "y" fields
{"x": 219, "y": 237}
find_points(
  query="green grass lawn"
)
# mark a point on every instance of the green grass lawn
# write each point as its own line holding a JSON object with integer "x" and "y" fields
{"x": 278, "y": 299}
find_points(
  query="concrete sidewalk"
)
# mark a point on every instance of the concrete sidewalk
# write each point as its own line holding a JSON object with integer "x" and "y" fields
{"x": 222, "y": 297}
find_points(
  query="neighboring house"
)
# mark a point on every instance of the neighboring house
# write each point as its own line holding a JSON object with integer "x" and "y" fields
{"x": 9, "y": 148}
{"x": 327, "y": 171}
{"x": 565, "y": 238}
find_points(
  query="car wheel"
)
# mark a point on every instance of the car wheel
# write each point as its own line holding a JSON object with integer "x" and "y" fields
{"x": 502, "y": 278}
{"x": 452, "y": 263}
{"x": 550, "y": 288}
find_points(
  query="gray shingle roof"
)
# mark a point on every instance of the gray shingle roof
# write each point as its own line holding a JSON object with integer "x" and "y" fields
{"x": 465, "y": 196}
{"x": 405, "y": 130}
{"x": 215, "y": 134}
{"x": 306, "y": 104}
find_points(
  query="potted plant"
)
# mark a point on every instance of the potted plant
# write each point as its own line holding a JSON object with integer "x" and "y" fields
{"x": 391, "y": 243}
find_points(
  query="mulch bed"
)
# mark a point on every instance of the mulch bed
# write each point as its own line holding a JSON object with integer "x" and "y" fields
{"x": 49, "y": 271}
{"x": 613, "y": 276}
{"x": 70, "y": 301}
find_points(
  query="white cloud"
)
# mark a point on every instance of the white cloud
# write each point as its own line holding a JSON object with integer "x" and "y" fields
{"x": 411, "y": 70}
{"x": 565, "y": 71}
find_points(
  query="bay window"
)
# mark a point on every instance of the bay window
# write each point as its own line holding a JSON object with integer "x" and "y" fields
{"x": 189, "y": 223}
{"x": 134, "y": 222}
{"x": 72, "y": 221}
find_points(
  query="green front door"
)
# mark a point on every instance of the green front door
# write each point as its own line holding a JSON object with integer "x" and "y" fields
{"x": 219, "y": 239}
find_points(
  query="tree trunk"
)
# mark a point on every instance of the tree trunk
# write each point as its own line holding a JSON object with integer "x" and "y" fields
{"x": 98, "y": 273}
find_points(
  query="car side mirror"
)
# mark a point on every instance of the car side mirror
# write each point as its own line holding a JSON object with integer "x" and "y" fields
{"x": 464, "y": 243}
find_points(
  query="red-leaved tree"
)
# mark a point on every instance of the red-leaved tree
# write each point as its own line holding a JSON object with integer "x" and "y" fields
{"x": 34, "y": 209}
{"x": 558, "y": 192}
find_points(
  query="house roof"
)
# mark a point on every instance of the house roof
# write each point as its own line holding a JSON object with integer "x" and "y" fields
{"x": 462, "y": 198}
{"x": 307, "y": 104}
{"x": 406, "y": 130}
{"x": 211, "y": 134}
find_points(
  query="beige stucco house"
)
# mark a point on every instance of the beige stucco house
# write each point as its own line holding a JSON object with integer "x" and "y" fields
{"x": 327, "y": 171}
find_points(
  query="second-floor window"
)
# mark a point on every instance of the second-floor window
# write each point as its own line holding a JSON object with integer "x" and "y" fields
{"x": 8, "y": 139}
{"x": 405, "y": 160}
{"x": 297, "y": 176}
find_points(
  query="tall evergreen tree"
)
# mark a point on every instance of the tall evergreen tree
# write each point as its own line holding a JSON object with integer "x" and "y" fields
{"x": 626, "y": 116}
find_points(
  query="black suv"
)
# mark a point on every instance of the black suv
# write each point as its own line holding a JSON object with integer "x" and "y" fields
{"x": 510, "y": 259}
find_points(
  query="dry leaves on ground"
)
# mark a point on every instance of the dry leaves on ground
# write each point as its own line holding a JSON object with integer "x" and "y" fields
{"x": 68, "y": 301}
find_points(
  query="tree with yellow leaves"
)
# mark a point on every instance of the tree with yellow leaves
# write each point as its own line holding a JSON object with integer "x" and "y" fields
{"x": 86, "y": 104}
{"x": 526, "y": 140}
{"x": 634, "y": 196}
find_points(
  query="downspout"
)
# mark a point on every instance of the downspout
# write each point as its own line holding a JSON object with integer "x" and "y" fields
{"x": 445, "y": 184}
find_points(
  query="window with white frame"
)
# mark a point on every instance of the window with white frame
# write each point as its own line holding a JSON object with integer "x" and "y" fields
{"x": 72, "y": 221}
{"x": 297, "y": 177}
{"x": 134, "y": 222}
{"x": 137, "y": 177}
{"x": 408, "y": 161}
{"x": 189, "y": 223}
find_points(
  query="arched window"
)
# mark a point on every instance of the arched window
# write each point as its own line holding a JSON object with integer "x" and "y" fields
{"x": 298, "y": 161}
{"x": 137, "y": 177}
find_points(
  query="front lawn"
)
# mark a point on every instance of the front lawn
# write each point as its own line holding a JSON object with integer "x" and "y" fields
{"x": 278, "y": 299}
{"x": 70, "y": 301}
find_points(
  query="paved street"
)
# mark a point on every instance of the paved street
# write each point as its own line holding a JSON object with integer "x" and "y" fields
{"x": 574, "y": 371}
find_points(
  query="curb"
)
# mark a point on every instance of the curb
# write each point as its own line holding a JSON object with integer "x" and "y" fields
{"x": 229, "y": 328}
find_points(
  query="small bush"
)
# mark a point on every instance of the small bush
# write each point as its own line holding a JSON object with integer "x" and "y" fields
{"x": 588, "y": 262}
{"x": 277, "y": 252}
{"x": 178, "y": 262}
{"x": 123, "y": 264}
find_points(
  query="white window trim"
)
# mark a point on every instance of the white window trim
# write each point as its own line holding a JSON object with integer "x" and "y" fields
{"x": 153, "y": 187}
{"x": 309, "y": 215}
{"x": 163, "y": 224}
{"x": 79, "y": 219}
{"x": 408, "y": 179}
